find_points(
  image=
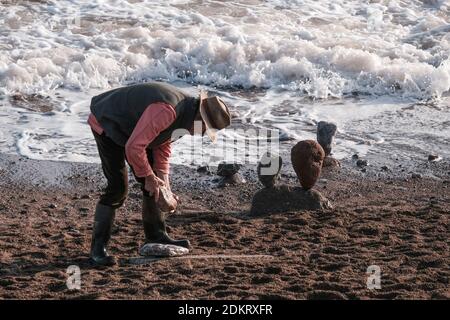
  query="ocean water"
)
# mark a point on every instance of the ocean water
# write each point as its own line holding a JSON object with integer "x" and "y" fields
{"x": 379, "y": 69}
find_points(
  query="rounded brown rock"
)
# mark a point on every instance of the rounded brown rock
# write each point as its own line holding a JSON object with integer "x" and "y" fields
{"x": 307, "y": 158}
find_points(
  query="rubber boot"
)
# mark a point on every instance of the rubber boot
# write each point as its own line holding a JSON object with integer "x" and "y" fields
{"x": 101, "y": 233}
{"x": 155, "y": 225}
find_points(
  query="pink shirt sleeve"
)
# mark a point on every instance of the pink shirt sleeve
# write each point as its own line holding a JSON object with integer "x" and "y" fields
{"x": 154, "y": 120}
{"x": 161, "y": 156}
{"x": 92, "y": 121}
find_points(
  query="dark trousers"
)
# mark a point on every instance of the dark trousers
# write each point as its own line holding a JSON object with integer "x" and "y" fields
{"x": 113, "y": 160}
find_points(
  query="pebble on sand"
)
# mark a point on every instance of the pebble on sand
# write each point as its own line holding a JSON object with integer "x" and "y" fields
{"x": 229, "y": 173}
{"x": 362, "y": 163}
{"x": 325, "y": 135}
{"x": 227, "y": 169}
{"x": 204, "y": 169}
{"x": 269, "y": 169}
{"x": 433, "y": 157}
{"x": 307, "y": 158}
{"x": 331, "y": 162}
{"x": 231, "y": 180}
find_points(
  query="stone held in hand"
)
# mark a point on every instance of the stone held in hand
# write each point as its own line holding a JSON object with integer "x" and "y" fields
{"x": 307, "y": 158}
{"x": 268, "y": 169}
{"x": 325, "y": 135}
{"x": 166, "y": 201}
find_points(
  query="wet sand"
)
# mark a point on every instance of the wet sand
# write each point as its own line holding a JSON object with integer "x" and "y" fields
{"x": 379, "y": 218}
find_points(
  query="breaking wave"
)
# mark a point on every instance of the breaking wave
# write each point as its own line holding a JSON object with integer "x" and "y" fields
{"x": 326, "y": 49}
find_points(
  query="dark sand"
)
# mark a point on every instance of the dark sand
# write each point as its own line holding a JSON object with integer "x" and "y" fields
{"x": 379, "y": 218}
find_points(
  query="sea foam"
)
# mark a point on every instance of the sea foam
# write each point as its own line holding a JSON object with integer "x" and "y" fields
{"x": 322, "y": 49}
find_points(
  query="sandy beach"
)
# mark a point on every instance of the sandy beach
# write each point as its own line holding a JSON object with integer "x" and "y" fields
{"x": 379, "y": 218}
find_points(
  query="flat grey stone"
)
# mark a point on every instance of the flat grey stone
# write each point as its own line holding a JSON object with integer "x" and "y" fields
{"x": 162, "y": 250}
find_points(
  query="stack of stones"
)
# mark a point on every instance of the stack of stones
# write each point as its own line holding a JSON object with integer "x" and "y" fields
{"x": 307, "y": 159}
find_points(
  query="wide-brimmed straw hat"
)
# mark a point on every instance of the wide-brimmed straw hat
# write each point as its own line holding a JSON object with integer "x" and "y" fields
{"x": 214, "y": 113}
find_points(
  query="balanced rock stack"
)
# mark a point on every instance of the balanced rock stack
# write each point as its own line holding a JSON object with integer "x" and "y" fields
{"x": 307, "y": 158}
{"x": 229, "y": 173}
{"x": 269, "y": 169}
{"x": 326, "y": 131}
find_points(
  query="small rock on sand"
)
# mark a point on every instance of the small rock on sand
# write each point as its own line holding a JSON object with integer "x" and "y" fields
{"x": 269, "y": 169}
{"x": 227, "y": 169}
{"x": 204, "y": 170}
{"x": 307, "y": 158}
{"x": 325, "y": 135}
{"x": 362, "y": 163}
{"x": 285, "y": 198}
{"x": 230, "y": 180}
{"x": 331, "y": 162}
{"x": 433, "y": 157}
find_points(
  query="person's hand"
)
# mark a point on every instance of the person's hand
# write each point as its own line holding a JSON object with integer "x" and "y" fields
{"x": 152, "y": 184}
{"x": 165, "y": 177}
